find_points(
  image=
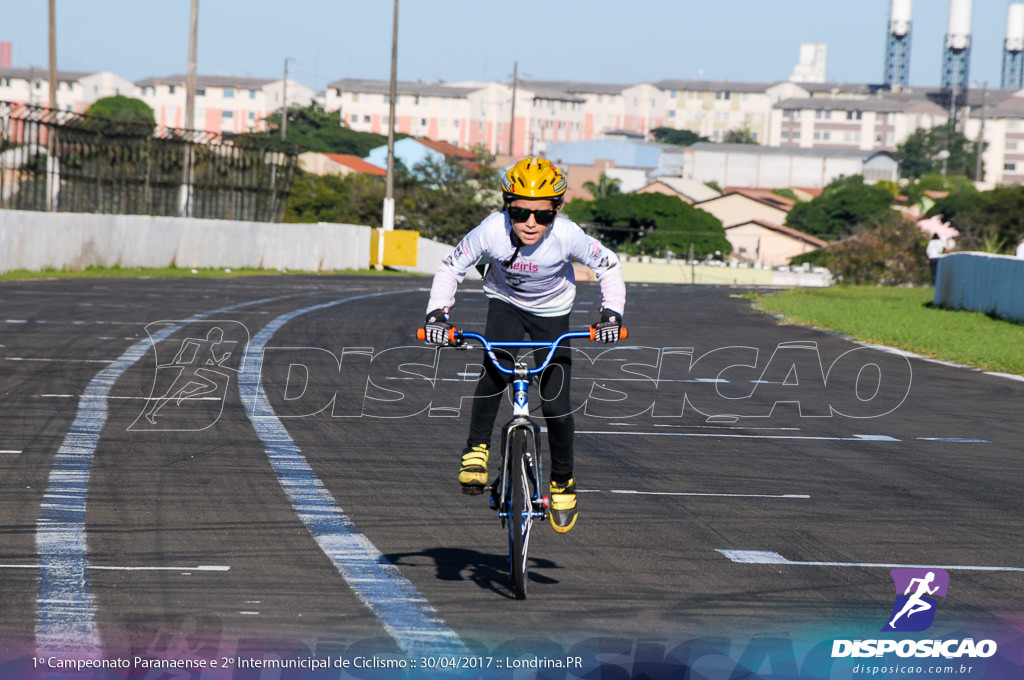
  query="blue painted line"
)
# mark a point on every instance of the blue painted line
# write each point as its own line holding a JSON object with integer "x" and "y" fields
{"x": 65, "y": 607}
{"x": 955, "y": 440}
{"x": 402, "y": 610}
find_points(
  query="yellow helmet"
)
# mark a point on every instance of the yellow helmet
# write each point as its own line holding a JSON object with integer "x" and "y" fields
{"x": 534, "y": 178}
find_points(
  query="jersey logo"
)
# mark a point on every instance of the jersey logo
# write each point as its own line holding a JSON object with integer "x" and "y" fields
{"x": 523, "y": 266}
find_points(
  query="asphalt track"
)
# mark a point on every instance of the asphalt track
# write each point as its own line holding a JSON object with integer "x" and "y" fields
{"x": 738, "y": 478}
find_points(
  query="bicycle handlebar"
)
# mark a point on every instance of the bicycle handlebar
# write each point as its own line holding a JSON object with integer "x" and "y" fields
{"x": 456, "y": 337}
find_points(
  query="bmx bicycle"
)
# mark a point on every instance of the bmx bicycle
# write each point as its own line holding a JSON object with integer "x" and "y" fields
{"x": 519, "y": 491}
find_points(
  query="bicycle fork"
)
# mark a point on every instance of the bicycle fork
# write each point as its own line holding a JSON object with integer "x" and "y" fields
{"x": 532, "y": 466}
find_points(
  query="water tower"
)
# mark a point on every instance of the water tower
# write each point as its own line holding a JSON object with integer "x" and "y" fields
{"x": 1013, "y": 48}
{"x": 897, "y": 46}
{"x": 956, "y": 58}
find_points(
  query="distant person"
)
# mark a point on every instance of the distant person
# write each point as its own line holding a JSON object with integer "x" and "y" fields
{"x": 1020, "y": 248}
{"x": 934, "y": 251}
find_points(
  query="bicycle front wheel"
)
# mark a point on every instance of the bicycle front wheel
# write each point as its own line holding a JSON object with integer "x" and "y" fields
{"x": 520, "y": 517}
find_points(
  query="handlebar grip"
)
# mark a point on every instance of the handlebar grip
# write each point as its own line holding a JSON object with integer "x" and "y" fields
{"x": 623, "y": 333}
{"x": 421, "y": 333}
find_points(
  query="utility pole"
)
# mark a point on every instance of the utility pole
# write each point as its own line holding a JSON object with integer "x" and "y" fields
{"x": 53, "y": 54}
{"x": 53, "y": 182}
{"x": 981, "y": 135}
{"x": 388, "y": 222}
{"x": 284, "y": 105}
{"x": 185, "y": 193}
{"x": 190, "y": 74}
{"x": 512, "y": 126}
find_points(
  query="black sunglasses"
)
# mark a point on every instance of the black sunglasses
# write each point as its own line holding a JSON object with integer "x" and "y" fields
{"x": 543, "y": 217}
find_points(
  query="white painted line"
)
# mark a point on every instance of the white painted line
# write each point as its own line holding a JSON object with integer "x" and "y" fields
{"x": 404, "y": 613}
{"x": 854, "y": 438}
{"x": 70, "y": 361}
{"x": 723, "y": 427}
{"x": 65, "y": 606}
{"x": 772, "y": 557}
{"x": 717, "y": 495}
{"x": 9, "y": 451}
{"x": 201, "y": 567}
{"x": 110, "y": 397}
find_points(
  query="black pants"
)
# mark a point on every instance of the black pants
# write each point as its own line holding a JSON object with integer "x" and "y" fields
{"x": 508, "y": 323}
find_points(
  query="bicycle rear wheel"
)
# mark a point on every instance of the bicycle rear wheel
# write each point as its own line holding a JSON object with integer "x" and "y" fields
{"x": 520, "y": 517}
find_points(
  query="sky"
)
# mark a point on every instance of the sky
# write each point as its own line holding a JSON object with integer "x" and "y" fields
{"x": 601, "y": 41}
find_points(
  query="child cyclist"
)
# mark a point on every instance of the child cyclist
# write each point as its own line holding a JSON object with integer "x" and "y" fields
{"x": 529, "y": 249}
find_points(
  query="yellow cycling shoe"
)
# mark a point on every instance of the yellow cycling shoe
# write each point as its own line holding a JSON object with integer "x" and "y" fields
{"x": 473, "y": 473}
{"x": 563, "y": 506}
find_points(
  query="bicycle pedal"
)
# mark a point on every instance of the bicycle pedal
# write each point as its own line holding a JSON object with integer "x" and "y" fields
{"x": 472, "y": 489}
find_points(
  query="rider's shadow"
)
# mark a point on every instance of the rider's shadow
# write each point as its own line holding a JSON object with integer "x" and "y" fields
{"x": 487, "y": 570}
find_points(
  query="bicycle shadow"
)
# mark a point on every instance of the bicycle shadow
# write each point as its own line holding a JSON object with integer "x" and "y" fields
{"x": 488, "y": 571}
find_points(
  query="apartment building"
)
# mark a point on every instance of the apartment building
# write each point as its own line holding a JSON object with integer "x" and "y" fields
{"x": 712, "y": 109}
{"x": 433, "y": 110}
{"x": 471, "y": 113}
{"x": 223, "y": 103}
{"x": 997, "y": 117}
{"x": 76, "y": 90}
{"x": 871, "y": 123}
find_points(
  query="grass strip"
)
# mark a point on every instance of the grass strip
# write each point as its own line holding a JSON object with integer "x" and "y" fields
{"x": 904, "y": 318}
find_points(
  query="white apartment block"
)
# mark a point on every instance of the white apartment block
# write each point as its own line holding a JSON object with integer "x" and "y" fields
{"x": 712, "y": 109}
{"x": 223, "y": 103}
{"x": 865, "y": 124}
{"x": 1000, "y": 124}
{"x": 76, "y": 90}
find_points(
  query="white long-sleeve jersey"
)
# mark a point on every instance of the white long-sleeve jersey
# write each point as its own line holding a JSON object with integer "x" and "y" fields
{"x": 540, "y": 279}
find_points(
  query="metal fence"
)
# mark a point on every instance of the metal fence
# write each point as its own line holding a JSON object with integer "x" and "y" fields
{"x": 61, "y": 161}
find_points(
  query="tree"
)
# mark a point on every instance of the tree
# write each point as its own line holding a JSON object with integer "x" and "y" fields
{"x": 123, "y": 114}
{"x": 651, "y": 224}
{"x": 318, "y": 130}
{"x": 453, "y": 201}
{"x": 123, "y": 109}
{"x": 843, "y": 204}
{"x": 739, "y": 136}
{"x": 605, "y": 186}
{"x": 678, "y": 137}
{"x": 889, "y": 253}
{"x": 987, "y": 220}
{"x": 923, "y": 152}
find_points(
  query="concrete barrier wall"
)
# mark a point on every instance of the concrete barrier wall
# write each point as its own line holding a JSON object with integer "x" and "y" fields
{"x": 37, "y": 241}
{"x": 979, "y": 282}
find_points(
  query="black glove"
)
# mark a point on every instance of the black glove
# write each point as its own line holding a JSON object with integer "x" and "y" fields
{"x": 437, "y": 327}
{"x": 607, "y": 330}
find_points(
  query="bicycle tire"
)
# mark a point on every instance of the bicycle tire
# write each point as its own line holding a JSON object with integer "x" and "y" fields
{"x": 520, "y": 517}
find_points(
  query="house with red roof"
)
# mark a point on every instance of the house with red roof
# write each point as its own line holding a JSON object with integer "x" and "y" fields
{"x": 337, "y": 164}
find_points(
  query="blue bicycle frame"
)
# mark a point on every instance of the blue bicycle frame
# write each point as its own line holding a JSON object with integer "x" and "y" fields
{"x": 520, "y": 498}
